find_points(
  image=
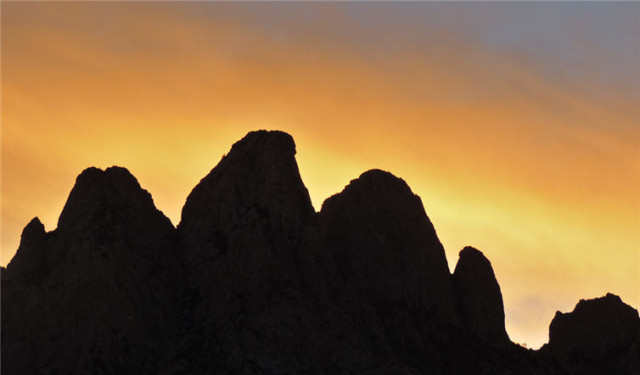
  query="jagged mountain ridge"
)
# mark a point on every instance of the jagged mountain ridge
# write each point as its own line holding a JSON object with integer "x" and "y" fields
{"x": 253, "y": 280}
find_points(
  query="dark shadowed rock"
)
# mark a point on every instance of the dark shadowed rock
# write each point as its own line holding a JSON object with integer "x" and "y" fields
{"x": 479, "y": 298}
{"x": 386, "y": 265}
{"x": 247, "y": 221}
{"x": 253, "y": 281}
{"x": 256, "y": 187}
{"x": 29, "y": 265}
{"x": 101, "y": 297}
{"x": 248, "y": 231}
{"x": 600, "y": 336}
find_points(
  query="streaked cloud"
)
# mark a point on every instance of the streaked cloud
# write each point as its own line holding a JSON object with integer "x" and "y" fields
{"x": 511, "y": 150}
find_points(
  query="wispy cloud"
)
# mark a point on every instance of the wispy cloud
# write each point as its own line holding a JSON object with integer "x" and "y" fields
{"x": 508, "y": 149}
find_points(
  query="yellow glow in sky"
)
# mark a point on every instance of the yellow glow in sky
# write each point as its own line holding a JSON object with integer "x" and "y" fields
{"x": 541, "y": 174}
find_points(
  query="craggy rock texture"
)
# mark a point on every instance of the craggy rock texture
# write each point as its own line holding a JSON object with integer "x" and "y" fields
{"x": 600, "y": 336}
{"x": 479, "y": 298}
{"x": 95, "y": 295}
{"x": 247, "y": 231}
{"x": 254, "y": 281}
{"x": 386, "y": 266}
{"x": 29, "y": 265}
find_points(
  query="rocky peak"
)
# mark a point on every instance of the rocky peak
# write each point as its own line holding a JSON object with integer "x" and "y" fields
{"x": 381, "y": 202}
{"x": 595, "y": 327}
{"x": 261, "y": 172}
{"x": 34, "y": 231}
{"x": 381, "y": 185}
{"x": 105, "y": 283}
{"x": 377, "y": 222}
{"x": 382, "y": 251}
{"x": 479, "y": 298}
{"x": 247, "y": 230}
{"x": 248, "y": 217}
{"x": 29, "y": 264}
{"x": 106, "y": 208}
{"x": 254, "y": 281}
{"x": 99, "y": 195}
{"x": 254, "y": 194}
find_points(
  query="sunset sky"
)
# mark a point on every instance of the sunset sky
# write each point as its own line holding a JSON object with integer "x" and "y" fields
{"x": 518, "y": 124}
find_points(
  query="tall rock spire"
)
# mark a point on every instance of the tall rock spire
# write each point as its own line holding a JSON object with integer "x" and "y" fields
{"x": 248, "y": 234}
{"x": 249, "y": 217}
{"x": 479, "y": 297}
{"x": 29, "y": 265}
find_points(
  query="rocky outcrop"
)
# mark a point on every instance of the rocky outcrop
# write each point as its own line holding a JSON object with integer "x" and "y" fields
{"x": 96, "y": 294}
{"x": 248, "y": 234}
{"x": 386, "y": 265}
{"x": 479, "y": 298}
{"x": 29, "y": 265}
{"x": 254, "y": 281}
{"x": 600, "y": 336}
{"x": 254, "y": 203}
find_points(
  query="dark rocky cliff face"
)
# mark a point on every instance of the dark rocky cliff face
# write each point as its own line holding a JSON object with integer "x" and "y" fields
{"x": 29, "y": 265}
{"x": 254, "y": 281}
{"x": 479, "y": 297}
{"x": 248, "y": 235}
{"x": 96, "y": 294}
{"x": 600, "y": 336}
{"x": 251, "y": 211}
{"x": 386, "y": 265}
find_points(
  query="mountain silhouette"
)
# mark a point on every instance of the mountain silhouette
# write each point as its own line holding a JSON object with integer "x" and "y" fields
{"x": 254, "y": 281}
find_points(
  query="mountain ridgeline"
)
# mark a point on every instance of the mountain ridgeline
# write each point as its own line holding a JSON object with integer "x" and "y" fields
{"x": 254, "y": 281}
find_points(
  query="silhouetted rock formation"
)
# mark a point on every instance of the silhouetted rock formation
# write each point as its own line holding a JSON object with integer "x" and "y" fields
{"x": 29, "y": 265}
{"x": 254, "y": 199}
{"x": 254, "y": 281}
{"x": 479, "y": 298}
{"x": 246, "y": 230}
{"x": 600, "y": 336}
{"x": 386, "y": 265}
{"x": 93, "y": 296}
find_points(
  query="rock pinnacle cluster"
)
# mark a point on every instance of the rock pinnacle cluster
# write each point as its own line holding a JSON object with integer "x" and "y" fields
{"x": 254, "y": 281}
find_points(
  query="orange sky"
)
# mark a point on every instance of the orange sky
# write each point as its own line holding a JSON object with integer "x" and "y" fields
{"x": 537, "y": 166}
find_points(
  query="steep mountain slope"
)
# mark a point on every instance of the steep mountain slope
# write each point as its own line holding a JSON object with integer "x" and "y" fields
{"x": 248, "y": 236}
{"x": 387, "y": 268}
{"x": 254, "y": 281}
{"x": 599, "y": 336}
{"x": 97, "y": 294}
